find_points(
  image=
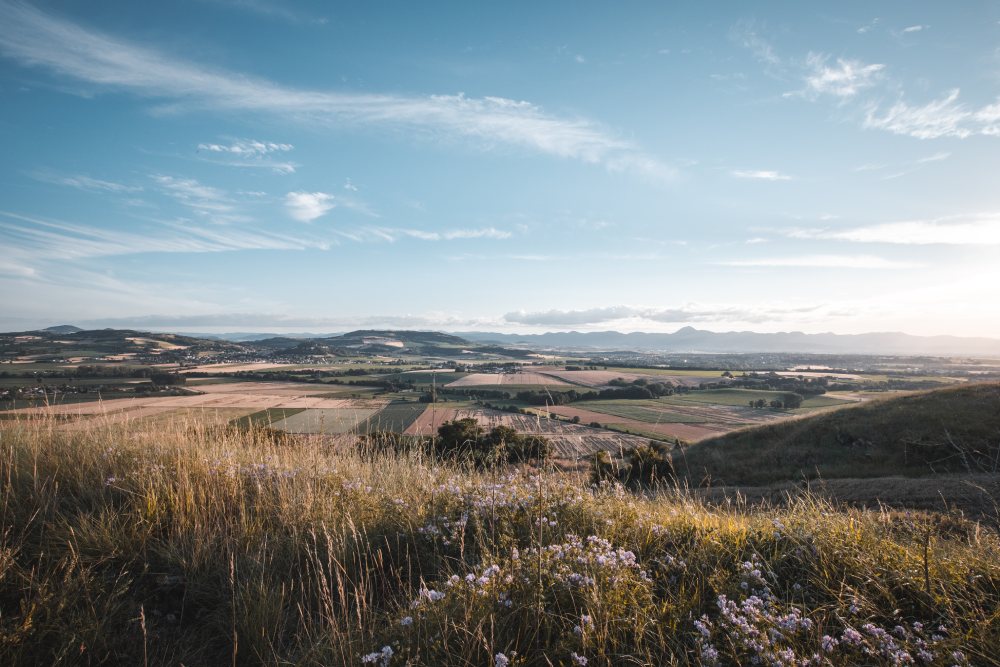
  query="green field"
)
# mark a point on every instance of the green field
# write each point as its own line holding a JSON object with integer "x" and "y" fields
{"x": 424, "y": 379}
{"x": 265, "y": 417}
{"x": 395, "y": 417}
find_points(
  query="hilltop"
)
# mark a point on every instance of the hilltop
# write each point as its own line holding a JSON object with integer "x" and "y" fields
{"x": 184, "y": 544}
{"x": 952, "y": 430}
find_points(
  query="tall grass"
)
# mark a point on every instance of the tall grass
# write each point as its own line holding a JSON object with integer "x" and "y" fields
{"x": 199, "y": 546}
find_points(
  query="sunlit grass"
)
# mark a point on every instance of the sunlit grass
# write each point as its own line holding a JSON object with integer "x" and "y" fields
{"x": 202, "y": 546}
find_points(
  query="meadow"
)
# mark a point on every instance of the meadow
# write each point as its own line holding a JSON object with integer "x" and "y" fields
{"x": 195, "y": 546}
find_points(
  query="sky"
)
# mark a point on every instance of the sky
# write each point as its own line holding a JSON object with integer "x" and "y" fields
{"x": 256, "y": 165}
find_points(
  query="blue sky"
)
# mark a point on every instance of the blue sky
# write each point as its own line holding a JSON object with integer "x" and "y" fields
{"x": 221, "y": 165}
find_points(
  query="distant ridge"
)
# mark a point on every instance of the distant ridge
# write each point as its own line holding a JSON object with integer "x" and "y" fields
{"x": 689, "y": 339}
{"x": 62, "y": 329}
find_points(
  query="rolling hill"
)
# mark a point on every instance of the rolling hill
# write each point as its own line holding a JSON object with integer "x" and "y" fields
{"x": 953, "y": 430}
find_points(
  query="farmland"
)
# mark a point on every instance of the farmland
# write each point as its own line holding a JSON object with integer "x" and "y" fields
{"x": 505, "y": 379}
{"x": 692, "y": 416}
{"x": 592, "y": 378}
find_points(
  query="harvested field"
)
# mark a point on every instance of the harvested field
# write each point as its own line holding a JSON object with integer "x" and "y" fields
{"x": 224, "y": 395}
{"x": 430, "y": 419}
{"x": 686, "y": 432}
{"x": 503, "y": 379}
{"x": 602, "y": 378}
{"x": 234, "y": 368}
{"x": 569, "y": 441}
{"x": 692, "y": 416}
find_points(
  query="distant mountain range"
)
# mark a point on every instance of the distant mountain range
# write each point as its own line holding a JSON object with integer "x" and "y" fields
{"x": 689, "y": 339}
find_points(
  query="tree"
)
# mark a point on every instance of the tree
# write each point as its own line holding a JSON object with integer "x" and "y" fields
{"x": 166, "y": 379}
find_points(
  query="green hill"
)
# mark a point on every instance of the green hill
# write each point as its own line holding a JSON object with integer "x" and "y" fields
{"x": 953, "y": 430}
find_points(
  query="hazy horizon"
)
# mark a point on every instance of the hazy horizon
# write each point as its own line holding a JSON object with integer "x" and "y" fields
{"x": 224, "y": 165}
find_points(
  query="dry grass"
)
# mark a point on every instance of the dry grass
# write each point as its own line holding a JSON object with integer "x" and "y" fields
{"x": 202, "y": 546}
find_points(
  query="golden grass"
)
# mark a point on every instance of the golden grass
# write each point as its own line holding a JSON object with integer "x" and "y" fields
{"x": 128, "y": 545}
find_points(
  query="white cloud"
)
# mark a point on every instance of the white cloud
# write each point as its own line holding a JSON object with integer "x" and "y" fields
{"x": 945, "y": 117}
{"x": 677, "y": 315}
{"x": 307, "y": 206}
{"x": 823, "y": 262}
{"x": 914, "y": 28}
{"x": 844, "y": 79}
{"x": 39, "y": 39}
{"x": 247, "y": 147}
{"x": 978, "y": 230}
{"x": 761, "y": 175}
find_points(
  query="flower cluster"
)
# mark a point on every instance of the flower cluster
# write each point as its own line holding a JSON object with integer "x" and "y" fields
{"x": 759, "y": 629}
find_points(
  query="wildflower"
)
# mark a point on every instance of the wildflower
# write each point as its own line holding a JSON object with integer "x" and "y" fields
{"x": 578, "y": 659}
{"x": 500, "y": 660}
{"x": 709, "y": 654}
{"x": 406, "y": 621}
{"x": 852, "y": 637}
{"x": 702, "y": 626}
{"x": 381, "y": 657}
{"x": 829, "y": 643}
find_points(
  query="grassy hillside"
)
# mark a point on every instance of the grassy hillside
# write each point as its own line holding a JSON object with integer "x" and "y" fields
{"x": 203, "y": 547}
{"x": 947, "y": 430}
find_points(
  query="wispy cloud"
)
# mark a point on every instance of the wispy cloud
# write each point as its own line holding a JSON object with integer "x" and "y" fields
{"x": 250, "y": 153}
{"x": 823, "y": 262}
{"x": 978, "y": 230}
{"x": 678, "y": 315}
{"x": 308, "y": 206}
{"x": 454, "y": 234}
{"x": 944, "y": 117}
{"x": 868, "y": 27}
{"x": 914, "y": 28}
{"x": 47, "y": 240}
{"x": 84, "y": 182}
{"x": 272, "y": 10}
{"x": 746, "y": 33}
{"x": 761, "y": 175}
{"x": 36, "y": 38}
{"x": 212, "y": 203}
{"x": 845, "y": 78}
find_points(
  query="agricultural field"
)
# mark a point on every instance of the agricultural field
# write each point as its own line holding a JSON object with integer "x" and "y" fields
{"x": 328, "y": 421}
{"x": 258, "y": 403}
{"x": 741, "y": 397}
{"x": 690, "y": 417}
{"x": 395, "y": 417}
{"x": 505, "y": 379}
{"x": 602, "y": 378}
